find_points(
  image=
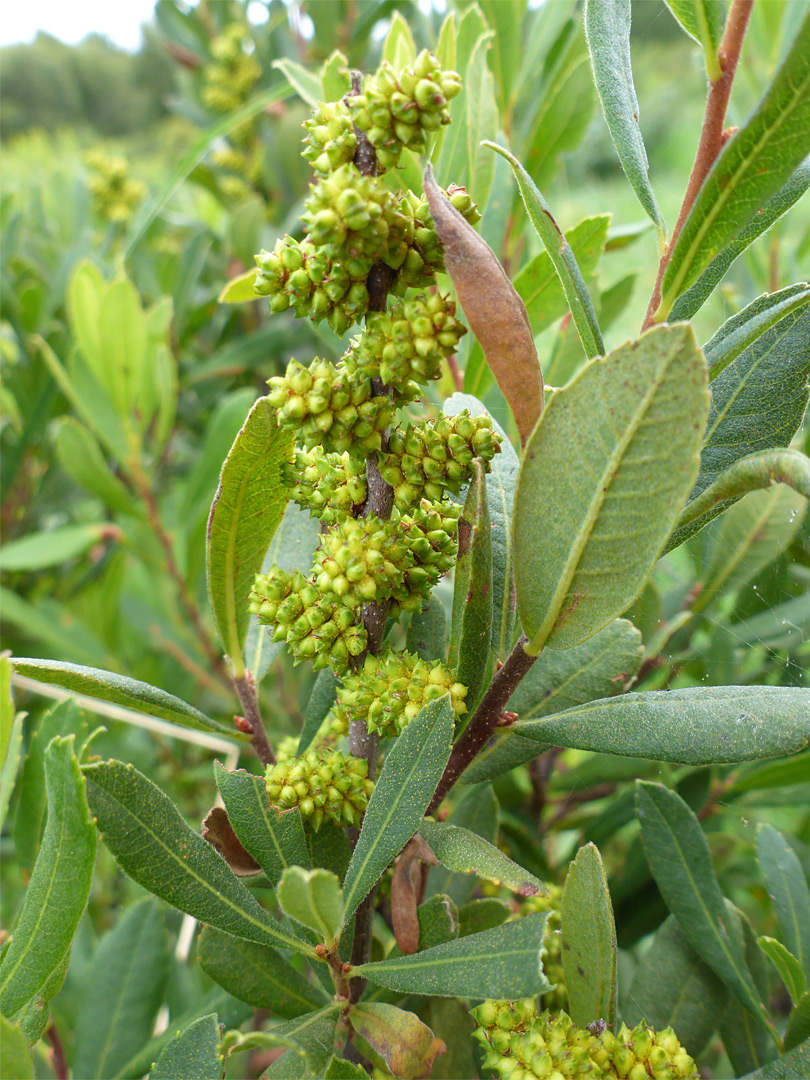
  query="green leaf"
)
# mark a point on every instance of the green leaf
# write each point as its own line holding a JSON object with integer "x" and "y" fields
{"x": 341, "y": 1069}
{"x": 693, "y": 299}
{"x": 412, "y": 769}
{"x": 150, "y": 841}
{"x": 506, "y": 19}
{"x": 757, "y": 403}
{"x": 38, "y": 550}
{"x": 314, "y": 899}
{"x": 60, "y": 883}
{"x": 501, "y": 963}
{"x": 561, "y": 679}
{"x": 589, "y": 940}
{"x": 257, "y": 974}
{"x": 600, "y": 487}
{"x": 407, "y": 1045}
{"x": 15, "y": 1057}
{"x": 315, "y": 1035}
{"x": 12, "y": 749}
{"x": 303, "y": 82}
{"x": 321, "y": 700}
{"x": 792, "y": 1066}
{"x": 81, "y": 458}
{"x": 680, "y": 862}
{"x": 467, "y": 853}
{"x": 704, "y": 21}
{"x": 123, "y": 990}
{"x": 122, "y": 341}
{"x": 750, "y": 473}
{"x": 674, "y": 988}
{"x": 239, "y": 290}
{"x": 247, "y": 510}
{"x": 427, "y": 631}
{"x": 475, "y": 810}
{"x": 399, "y": 48}
{"x": 693, "y": 725}
{"x": 500, "y": 481}
{"x": 109, "y": 686}
{"x": 7, "y": 708}
{"x": 291, "y": 548}
{"x": 573, "y": 283}
{"x": 789, "y": 968}
{"x": 275, "y": 840}
{"x": 482, "y": 914}
{"x": 744, "y": 1039}
{"x": 750, "y": 169}
{"x": 798, "y": 1028}
{"x": 607, "y": 29}
{"x": 787, "y": 887}
{"x": 335, "y": 77}
{"x": 743, "y": 329}
{"x": 539, "y": 286}
{"x": 471, "y": 623}
{"x": 193, "y": 1054}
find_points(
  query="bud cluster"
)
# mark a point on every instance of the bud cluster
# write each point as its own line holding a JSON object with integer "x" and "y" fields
{"x": 425, "y": 257}
{"x": 390, "y": 689}
{"x": 330, "y": 486}
{"x": 331, "y": 140}
{"x": 229, "y": 79}
{"x": 115, "y": 193}
{"x": 329, "y": 406}
{"x": 427, "y": 460}
{"x": 404, "y": 110}
{"x": 556, "y": 998}
{"x": 325, "y": 785}
{"x": 520, "y": 1045}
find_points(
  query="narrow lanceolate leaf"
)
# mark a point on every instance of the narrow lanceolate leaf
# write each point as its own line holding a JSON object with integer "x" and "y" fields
{"x": 408, "y": 1046}
{"x": 603, "y": 480}
{"x": 500, "y": 481}
{"x": 258, "y": 975}
{"x": 674, "y": 988}
{"x": 560, "y": 679}
{"x": 15, "y": 1057}
{"x": 493, "y": 308}
{"x": 314, "y": 1037}
{"x": 275, "y": 840}
{"x": 60, "y": 883}
{"x": 703, "y": 20}
{"x": 589, "y": 940}
{"x": 321, "y": 700}
{"x": 743, "y": 329}
{"x": 794, "y": 1065}
{"x": 247, "y": 509}
{"x": 753, "y": 165}
{"x": 693, "y": 725}
{"x": 693, "y": 299}
{"x": 192, "y": 1054}
{"x": 504, "y": 962}
{"x": 787, "y": 888}
{"x": 607, "y": 29}
{"x": 467, "y": 853}
{"x": 751, "y": 473}
{"x": 123, "y": 991}
{"x": 798, "y": 1026}
{"x": 745, "y": 1040}
{"x": 757, "y": 403}
{"x": 680, "y": 861}
{"x": 240, "y": 289}
{"x": 152, "y": 843}
{"x": 789, "y": 968}
{"x": 427, "y": 632}
{"x": 109, "y": 686}
{"x": 412, "y": 769}
{"x": 314, "y": 899}
{"x": 471, "y": 623}
{"x": 560, "y": 253}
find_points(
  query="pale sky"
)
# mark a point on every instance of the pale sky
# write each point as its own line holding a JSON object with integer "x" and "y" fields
{"x": 72, "y": 20}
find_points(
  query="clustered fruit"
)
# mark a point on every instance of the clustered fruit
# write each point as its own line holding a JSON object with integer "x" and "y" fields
{"x": 519, "y": 1044}
{"x": 115, "y": 192}
{"x": 357, "y": 234}
{"x": 230, "y": 78}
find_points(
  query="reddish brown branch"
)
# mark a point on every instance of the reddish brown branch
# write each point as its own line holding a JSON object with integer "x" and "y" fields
{"x": 711, "y": 135}
{"x": 246, "y": 692}
{"x": 60, "y": 1065}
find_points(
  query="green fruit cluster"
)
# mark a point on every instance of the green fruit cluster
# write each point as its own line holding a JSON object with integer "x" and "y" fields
{"x": 358, "y": 220}
{"x": 390, "y": 689}
{"x": 404, "y": 110}
{"x": 331, "y": 140}
{"x": 408, "y": 341}
{"x": 330, "y": 486}
{"x": 327, "y": 737}
{"x": 316, "y": 286}
{"x": 329, "y": 406}
{"x": 520, "y": 1045}
{"x": 229, "y": 79}
{"x": 428, "y": 460}
{"x": 325, "y": 785}
{"x": 314, "y": 626}
{"x": 362, "y": 560}
{"x": 431, "y": 530}
{"x": 115, "y": 193}
{"x": 557, "y": 997}
{"x": 425, "y": 257}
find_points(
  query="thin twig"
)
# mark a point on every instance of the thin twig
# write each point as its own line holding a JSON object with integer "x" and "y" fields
{"x": 60, "y": 1065}
{"x": 485, "y": 718}
{"x": 711, "y": 136}
{"x": 246, "y": 691}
